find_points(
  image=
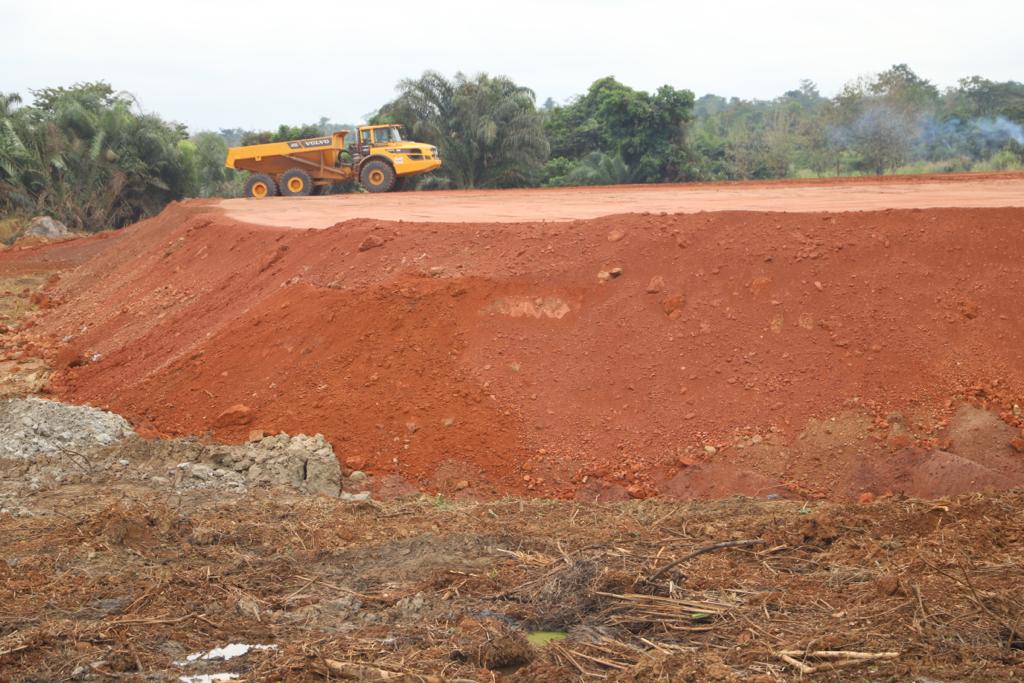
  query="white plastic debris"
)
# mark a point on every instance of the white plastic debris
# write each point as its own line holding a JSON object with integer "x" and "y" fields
{"x": 225, "y": 653}
{"x": 208, "y": 678}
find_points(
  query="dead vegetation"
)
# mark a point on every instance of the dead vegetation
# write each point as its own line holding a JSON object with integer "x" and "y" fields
{"x": 121, "y": 584}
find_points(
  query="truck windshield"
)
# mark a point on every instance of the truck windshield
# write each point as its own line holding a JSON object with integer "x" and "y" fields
{"x": 387, "y": 135}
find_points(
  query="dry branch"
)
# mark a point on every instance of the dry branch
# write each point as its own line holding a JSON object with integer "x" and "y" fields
{"x": 843, "y": 659}
{"x": 701, "y": 551}
{"x": 840, "y": 654}
{"x": 365, "y": 672}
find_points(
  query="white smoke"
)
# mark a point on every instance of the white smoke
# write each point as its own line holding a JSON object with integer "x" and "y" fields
{"x": 928, "y": 137}
{"x": 999, "y": 129}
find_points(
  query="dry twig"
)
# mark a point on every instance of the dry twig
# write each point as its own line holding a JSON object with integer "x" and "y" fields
{"x": 843, "y": 659}
{"x": 701, "y": 551}
{"x": 365, "y": 672}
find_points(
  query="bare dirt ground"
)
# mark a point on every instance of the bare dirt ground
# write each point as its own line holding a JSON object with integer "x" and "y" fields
{"x": 814, "y": 420}
{"x": 509, "y": 206}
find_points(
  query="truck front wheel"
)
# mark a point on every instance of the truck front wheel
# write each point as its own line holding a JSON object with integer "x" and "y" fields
{"x": 377, "y": 176}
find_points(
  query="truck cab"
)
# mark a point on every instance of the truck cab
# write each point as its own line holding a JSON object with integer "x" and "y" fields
{"x": 380, "y": 135}
{"x": 383, "y": 157}
{"x": 372, "y": 138}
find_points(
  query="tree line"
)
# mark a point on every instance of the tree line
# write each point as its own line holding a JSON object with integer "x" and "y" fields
{"x": 89, "y": 156}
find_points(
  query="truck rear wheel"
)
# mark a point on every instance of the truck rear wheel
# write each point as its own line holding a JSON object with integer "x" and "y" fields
{"x": 377, "y": 176}
{"x": 259, "y": 186}
{"x": 296, "y": 183}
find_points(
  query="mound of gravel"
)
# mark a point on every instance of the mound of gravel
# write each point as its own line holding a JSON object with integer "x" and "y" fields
{"x": 304, "y": 462}
{"x": 47, "y": 444}
{"x": 34, "y": 426}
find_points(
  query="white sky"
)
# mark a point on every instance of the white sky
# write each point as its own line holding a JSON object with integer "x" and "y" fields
{"x": 255, "y": 64}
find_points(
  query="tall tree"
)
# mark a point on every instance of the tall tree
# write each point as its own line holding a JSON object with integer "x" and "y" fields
{"x": 879, "y": 120}
{"x": 87, "y": 156}
{"x": 646, "y": 131}
{"x": 204, "y": 155}
{"x": 487, "y": 128}
{"x": 979, "y": 96}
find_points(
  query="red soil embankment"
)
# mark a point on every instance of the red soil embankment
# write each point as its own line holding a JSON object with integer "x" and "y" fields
{"x": 736, "y": 351}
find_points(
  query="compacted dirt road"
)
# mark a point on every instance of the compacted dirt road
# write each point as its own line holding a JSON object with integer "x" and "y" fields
{"x": 505, "y": 206}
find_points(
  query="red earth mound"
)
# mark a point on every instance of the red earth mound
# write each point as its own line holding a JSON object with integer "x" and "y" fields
{"x": 838, "y": 355}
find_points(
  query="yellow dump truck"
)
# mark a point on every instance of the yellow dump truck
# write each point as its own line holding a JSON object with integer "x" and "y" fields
{"x": 380, "y": 160}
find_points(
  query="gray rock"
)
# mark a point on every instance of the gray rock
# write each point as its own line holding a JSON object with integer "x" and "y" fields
{"x": 323, "y": 475}
{"x": 282, "y": 470}
{"x": 44, "y": 226}
{"x": 201, "y": 471}
{"x": 60, "y": 425}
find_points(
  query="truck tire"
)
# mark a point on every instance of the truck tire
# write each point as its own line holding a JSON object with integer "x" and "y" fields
{"x": 260, "y": 185}
{"x": 296, "y": 183}
{"x": 377, "y": 176}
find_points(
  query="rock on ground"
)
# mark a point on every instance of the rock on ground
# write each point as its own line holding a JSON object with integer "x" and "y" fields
{"x": 306, "y": 462}
{"x": 44, "y": 226}
{"x": 32, "y": 426}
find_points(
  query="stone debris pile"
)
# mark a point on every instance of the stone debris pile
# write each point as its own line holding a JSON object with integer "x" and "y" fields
{"x": 32, "y": 426}
{"x": 45, "y": 444}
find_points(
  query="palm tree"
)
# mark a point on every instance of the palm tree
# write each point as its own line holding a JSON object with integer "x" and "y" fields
{"x": 488, "y": 129}
{"x": 85, "y": 156}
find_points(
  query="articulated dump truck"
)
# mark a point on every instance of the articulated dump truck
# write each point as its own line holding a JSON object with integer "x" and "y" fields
{"x": 380, "y": 160}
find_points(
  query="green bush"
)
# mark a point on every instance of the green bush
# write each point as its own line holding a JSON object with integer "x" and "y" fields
{"x": 86, "y": 156}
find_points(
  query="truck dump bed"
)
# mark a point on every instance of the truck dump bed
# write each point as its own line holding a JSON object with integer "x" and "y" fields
{"x": 317, "y": 156}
